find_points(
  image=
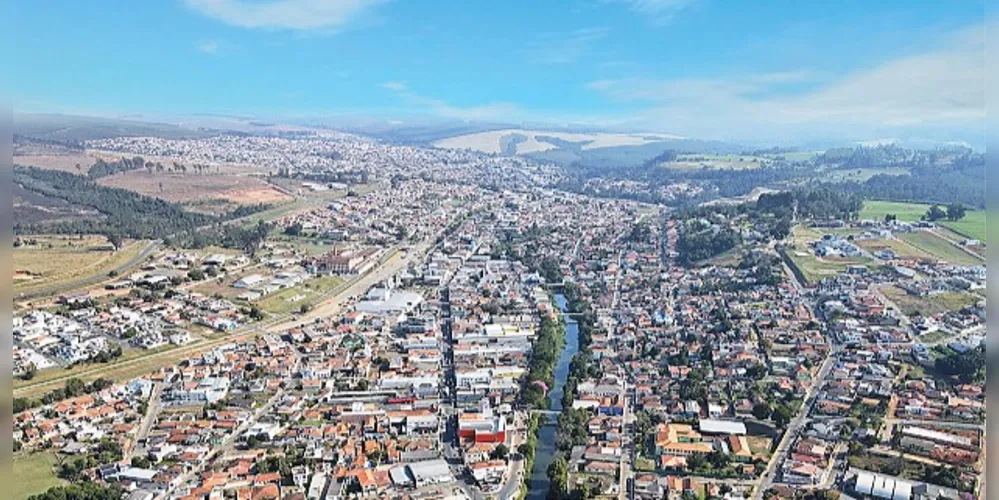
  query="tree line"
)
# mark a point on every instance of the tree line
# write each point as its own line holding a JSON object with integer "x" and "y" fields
{"x": 74, "y": 387}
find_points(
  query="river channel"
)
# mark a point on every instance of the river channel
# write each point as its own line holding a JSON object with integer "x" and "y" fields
{"x": 544, "y": 453}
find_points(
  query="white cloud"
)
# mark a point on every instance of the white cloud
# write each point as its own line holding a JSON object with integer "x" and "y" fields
{"x": 564, "y": 48}
{"x": 939, "y": 88}
{"x": 330, "y": 15}
{"x": 657, "y": 11}
{"x": 208, "y": 47}
{"x": 395, "y": 86}
{"x": 496, "y": 111}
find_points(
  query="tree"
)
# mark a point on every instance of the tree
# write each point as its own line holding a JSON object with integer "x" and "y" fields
{"x": 114, "y": 239}
{"x": 500, "y": 452}
{"x": 81, "y": 491}
{"x": 140, "y": 462}
{"x": 256, "y": 314}
{"x": 761, "y": 411}
{"x": 196, "y": 274}
{"x": 967, "y": 367}
{"x": 935, "y": 213}
{"x": 696, "y": 462}
{"x": 558, "y": 474}
{"x": 29, "y": 372}
{"x": 955, "y": 211}
{"x": 782, "y": 415}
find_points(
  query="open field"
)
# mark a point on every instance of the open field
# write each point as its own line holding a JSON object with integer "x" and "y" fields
{"x": 902, "y": 249}
{"x": 291, "y": 299}
{"x": 860, "y": 174}
{"x": 64, "y": 162}
{"x": 759, "y": 446}
{"x": 931, "y": 305}
{"x": 33, "y": 474}
{"x": 182, "y": 188}
{"x": 727, "y": 258}
{"x": 798, "y": 155}
{"x": 973, "y": 225}
{"x": 939, "y": 248}
{"x": 720, "y": 162}
{"x": 61, "y": 259}
{"x": 813, "y": 269}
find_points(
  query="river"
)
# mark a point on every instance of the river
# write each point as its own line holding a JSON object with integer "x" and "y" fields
{"x": 544, "y": 453}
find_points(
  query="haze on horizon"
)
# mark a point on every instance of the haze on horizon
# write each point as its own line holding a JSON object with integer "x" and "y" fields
{"x": 781, "y": 73}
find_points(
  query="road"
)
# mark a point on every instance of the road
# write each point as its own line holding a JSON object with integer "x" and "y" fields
{"x": 91, "y": 280}
{"x": 152, "y": 411}
{"x": 767, "y": 479}
{"x": 624, "y": 472}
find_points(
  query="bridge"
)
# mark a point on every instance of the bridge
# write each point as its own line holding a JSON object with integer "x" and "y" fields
{"x": 547, "y": 413}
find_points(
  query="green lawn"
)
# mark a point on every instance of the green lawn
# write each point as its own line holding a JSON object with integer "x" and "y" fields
{"x": 306, "y": 293}
{"x": 939, "y": 247}
{"x": 645, "y": 464}
{"x": 33, "y": 474}
{"x": 971, "y": 226}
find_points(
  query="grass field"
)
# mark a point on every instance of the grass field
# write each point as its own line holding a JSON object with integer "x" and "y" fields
{"x": 798, "y": 155}
{"x": 728, "y": 258}
{"x": 33, "y": 474}
{"x": 931, "y": 305}
{"x": 939, "y": 247}
{"x": 759, "y": 446}
{"x": 720, "y": 162}
{"x": 860, "y": 174}
{"x": 973, "y": 225}
{"x": 306, "y": 293}
{"x": 813, "y": 269}
{"x": 901, "y": 248}
{"x": 62, "y": 259}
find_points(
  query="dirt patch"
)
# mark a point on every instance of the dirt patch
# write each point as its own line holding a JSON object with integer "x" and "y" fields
{"x": 267, "y": 194}
{"x": 66, "y": 163}
{"x": 190, "y": 187}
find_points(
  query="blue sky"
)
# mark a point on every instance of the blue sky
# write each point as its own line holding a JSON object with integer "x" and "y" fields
{"x": 787, "y": 70}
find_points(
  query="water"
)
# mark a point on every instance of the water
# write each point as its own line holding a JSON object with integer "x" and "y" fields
{"x": 544, "y": 453}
